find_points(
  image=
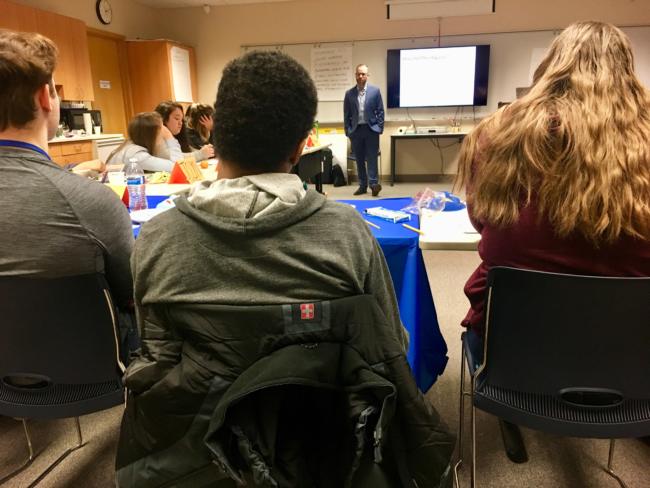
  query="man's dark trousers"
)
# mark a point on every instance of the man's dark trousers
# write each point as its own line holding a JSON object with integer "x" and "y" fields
{"x": 365, "y": 145}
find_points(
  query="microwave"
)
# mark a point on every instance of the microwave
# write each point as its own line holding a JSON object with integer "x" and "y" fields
{"x": 74, "y": 117}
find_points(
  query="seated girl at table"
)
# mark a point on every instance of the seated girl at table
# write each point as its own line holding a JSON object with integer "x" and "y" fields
{"x": 147, "y": 140}
{"x": 559, "y": 180}
{"x": 173, "y": 120}
{"x": 199, "y": 124}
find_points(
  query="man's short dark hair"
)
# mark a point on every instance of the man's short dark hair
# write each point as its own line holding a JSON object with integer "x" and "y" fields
{"x": 27, "y": 61}
{"x": 266, "y": 104}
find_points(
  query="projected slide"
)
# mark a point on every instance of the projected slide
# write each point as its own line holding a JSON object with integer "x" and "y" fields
{"x": 437, "y": 77}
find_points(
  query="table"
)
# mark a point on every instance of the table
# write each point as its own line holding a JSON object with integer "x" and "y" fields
{"x": 311, "y": 165}
{"x": 448, "y": 231}
{"x": 433, "y": 135}
{"x": 427, "y": 352}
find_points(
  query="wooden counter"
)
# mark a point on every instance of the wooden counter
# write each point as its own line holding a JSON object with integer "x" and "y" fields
{"x": 72, "y": 150}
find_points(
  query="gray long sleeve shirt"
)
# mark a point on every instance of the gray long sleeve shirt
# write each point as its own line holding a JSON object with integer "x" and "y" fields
{"x": 55, "y": 223}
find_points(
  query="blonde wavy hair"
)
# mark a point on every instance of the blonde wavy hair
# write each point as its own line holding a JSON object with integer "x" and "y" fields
{"x": 578, "y": 143}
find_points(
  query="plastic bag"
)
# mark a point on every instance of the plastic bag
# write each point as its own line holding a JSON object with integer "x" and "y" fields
{"x": 429, "y": 199}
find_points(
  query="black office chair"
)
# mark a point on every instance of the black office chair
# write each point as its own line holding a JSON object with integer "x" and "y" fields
{"x": 59, "y": 352}
{"x": 564, "y": 354}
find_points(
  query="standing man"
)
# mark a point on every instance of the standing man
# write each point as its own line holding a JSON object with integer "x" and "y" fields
{"x": 363, "y": 115}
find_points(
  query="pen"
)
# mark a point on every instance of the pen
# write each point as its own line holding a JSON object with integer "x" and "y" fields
{"x": 372, "y": 225}
{"x": 413, "y": 229}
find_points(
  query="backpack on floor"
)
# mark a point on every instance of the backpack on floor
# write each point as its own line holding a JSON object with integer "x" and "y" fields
{"x": 338, "y": 178}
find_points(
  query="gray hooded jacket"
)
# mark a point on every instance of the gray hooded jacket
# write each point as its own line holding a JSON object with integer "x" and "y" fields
{"x": 257, "y": 240}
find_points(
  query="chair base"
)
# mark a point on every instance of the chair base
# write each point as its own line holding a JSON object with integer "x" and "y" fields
{"x": 513, "y": 442}
{"x": 27, "y": 462}
{"x": 610, "y": 461}
{"x": 461, "y": 407}
{"x": 32, "y": 456}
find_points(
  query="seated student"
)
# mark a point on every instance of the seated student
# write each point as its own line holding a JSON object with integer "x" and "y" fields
{"x": 199, "y": 124}
{"x": 147, "y": 140}
{"x": 54, "y": 223}
{"x": 559, "y": 180}
{"x": 172, "y": 115}
{"x": 252, "y": 237}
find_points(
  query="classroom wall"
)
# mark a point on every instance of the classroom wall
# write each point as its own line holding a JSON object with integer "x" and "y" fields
{"x": 130, "y": 19}
{"x": 218, "y": 36}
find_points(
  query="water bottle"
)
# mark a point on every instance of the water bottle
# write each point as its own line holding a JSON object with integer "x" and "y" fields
{"x": 135, "y": 185}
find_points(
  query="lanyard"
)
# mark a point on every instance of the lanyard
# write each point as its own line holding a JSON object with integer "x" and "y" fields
{"x": 24, "y": 145}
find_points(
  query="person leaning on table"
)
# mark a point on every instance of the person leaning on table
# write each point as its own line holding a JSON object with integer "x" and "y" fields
{"x": 173, "y": 119}
{"x": 199, "y": 124}
{"x": 147, "y": 140}
{"x": 559, "y": 180}
{"x": 65, "y": 225}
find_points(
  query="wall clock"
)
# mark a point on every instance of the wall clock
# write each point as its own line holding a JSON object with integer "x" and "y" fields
{"x": 104, "y": 11}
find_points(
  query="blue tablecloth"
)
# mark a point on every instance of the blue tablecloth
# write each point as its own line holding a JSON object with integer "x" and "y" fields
{"x": 152, "y": 202}
{"x": 427, "y": 352}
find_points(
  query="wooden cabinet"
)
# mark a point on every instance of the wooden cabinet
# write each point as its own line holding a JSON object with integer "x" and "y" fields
{"x": 82, "y": 60}
{"x": 64, "y": 153}
{"x": 17, "y": 17}
{"x": 150, "y": 69}
{"x": 73, "y": 67}
{"x": 72, "y": 75}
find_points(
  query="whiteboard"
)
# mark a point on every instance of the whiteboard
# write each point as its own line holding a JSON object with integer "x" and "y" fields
{"x": 511, "y": 57}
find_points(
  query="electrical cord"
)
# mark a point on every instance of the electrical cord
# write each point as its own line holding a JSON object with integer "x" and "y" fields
{"x": 412, "y": 121}
{"x": 454, "y": 121}
{"x": 439, "y": 147}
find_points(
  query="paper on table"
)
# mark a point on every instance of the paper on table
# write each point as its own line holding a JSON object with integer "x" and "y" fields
{"x": 142, "y": 216}
{"x": 456, "y": 222}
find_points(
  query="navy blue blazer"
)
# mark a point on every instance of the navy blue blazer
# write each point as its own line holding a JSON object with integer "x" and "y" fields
{"x": 374, "y": 110}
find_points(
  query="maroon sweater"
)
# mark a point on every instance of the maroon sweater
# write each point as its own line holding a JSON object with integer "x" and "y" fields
{"x": 532, "y": 245}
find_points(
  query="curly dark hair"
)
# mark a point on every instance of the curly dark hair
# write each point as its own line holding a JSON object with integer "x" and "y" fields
{"x": 266, "y": 104}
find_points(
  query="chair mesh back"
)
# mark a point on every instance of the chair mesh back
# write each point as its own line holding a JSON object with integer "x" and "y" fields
{"x": 551, "y": 406}
{"x": 57, "y": 333}
{"x": 59, "y": 394}
{"x": 550, "y": 333}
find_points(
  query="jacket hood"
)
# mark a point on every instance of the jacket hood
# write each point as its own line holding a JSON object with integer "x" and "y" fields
{"x": 251, "y": 204}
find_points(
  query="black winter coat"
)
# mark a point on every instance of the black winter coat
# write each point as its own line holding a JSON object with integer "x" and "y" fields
{"x": 300, "y": 395}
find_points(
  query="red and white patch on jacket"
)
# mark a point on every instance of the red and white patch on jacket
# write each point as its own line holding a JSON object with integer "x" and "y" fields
{"x": 306, "y": 311}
